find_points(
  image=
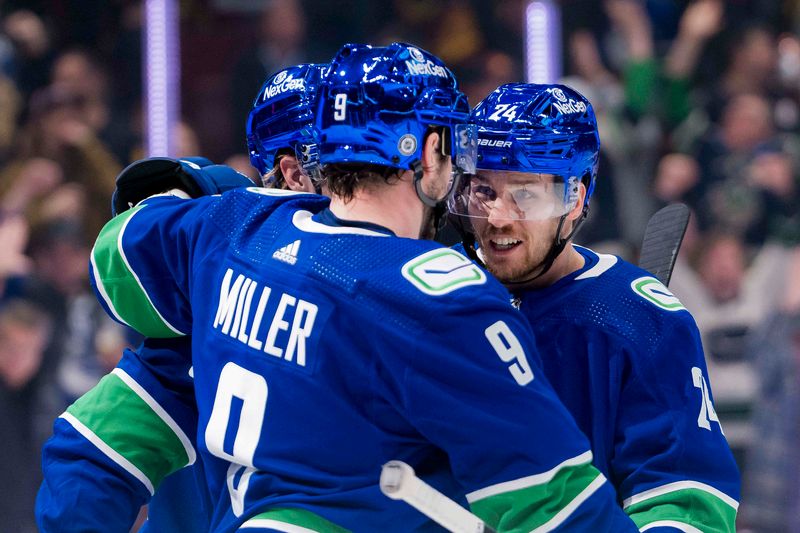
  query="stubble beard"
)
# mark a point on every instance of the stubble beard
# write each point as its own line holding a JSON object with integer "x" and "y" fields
{"x": 513, "y": 269}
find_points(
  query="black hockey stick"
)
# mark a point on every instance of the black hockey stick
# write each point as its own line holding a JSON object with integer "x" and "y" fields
{"x": 399, "y": 482}
{"x": 662, "y": 241}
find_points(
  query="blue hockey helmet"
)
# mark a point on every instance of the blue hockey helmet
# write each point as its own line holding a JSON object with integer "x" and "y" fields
{"x": 282, "y": 118}
{"x": 377, "y": 103}
{"x": 545, "y": 137}
{"x": 534, "y": 129}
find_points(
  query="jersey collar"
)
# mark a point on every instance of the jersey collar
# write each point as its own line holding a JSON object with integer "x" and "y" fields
{"x": 326, "y": 222}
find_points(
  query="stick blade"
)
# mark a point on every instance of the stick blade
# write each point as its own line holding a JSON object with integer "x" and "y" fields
{"x": 662, "y": 241}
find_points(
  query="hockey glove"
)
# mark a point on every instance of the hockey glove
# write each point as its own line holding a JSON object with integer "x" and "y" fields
{"x": 197, "y": 176}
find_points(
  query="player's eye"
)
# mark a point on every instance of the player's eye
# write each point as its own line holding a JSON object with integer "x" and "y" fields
{"x": 525, "y": 194}
{"x": 484, "y": 192}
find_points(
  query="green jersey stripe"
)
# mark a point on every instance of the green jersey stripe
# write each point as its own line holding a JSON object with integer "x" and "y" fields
{"x": 157, "y": 409}
{"x": 671, "y": 523}
{"x": 136, "y": 432}
{"x": 108, "y": 451}
{"x": 102, "y": 289}
{"x": 293, "y": 521}
{"x": 570, "y": 508}
{"x": 679, "y": 485}
{"x": 529, "y": 481}
{"x": 542, "y": 506}
{"x": 691, "y": 506}
{"x": 120, "y": 286}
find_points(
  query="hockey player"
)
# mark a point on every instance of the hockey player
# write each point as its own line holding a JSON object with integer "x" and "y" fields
{"x": 98, "y": 465}
{"x": 327, "y": 339}
{"x": 620, "y": 350}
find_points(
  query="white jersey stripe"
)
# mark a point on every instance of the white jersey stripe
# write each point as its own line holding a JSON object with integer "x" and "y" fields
{"x": 673, "y": 524}
{"x": 108, "y": 451}
{"x": 576, "y": 502}
{"x": 604, "y": 262}
{"x": 529, "y": 481}
{"x": 102, "y": 290}
{"x": 267, "y": 523}
{"x": 302, "y": 220}
{"x": 136, "y": 277}
{"x": 679, "y": 485}
{"x": 162, "y": 414}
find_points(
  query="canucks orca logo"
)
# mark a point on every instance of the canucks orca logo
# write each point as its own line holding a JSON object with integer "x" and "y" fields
{"x": 441, "y": 271}
{"x": 656, "y": 293}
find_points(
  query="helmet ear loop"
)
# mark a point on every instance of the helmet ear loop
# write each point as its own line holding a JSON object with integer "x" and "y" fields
{"x": 416, "y": 167}
{"x": 439, "y": 206}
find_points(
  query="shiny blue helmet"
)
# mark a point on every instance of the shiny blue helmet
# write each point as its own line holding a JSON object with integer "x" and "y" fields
{"x": 548, "y": 133}
{"x": 282, "y": 118}
{"x": 377, "y": 104}
{"x": 540, "y": 129}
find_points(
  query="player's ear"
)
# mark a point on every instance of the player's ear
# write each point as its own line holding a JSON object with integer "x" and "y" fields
{"x": 431, "y": 150}
{"x": 293, "y": 175}
{"x": 576, "y": 211}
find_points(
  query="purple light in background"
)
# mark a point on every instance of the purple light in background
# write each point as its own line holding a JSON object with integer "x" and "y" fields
{"x": 161, "y": 75}
{"x": 542, "y": 42}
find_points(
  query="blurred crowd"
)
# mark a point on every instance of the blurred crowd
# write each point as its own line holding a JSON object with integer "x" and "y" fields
{"x": 698, "y": 102}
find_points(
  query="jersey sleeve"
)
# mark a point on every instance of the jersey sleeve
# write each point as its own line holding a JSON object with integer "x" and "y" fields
{"x": 112, "y": 448}
{"x": 476, "y": 390}
{"x": 141, "y": 264}
{"x": 673, "y": 467}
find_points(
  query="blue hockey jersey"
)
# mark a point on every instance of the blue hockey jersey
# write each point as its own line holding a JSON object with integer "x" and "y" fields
{"x": 625, "y": 357}
{"x": 322, "y": 350}
{"x": 146, "y": 401}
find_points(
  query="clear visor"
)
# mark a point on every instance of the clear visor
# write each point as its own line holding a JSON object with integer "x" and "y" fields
{"x": 515, "y": 196}
{"x": 465, "y": 149}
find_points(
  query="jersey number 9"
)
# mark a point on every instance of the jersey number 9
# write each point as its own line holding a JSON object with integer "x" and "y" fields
{"x": 510, "y": 350}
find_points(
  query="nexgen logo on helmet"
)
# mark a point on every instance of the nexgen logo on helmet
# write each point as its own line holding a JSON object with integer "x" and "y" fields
{"x": 282, "y": 118}
{"x": 419, "y": 65}
{"x": 570, "y": 106}
{"x": 378, "y": 103}
{"x": 281, "y": 83}
{"x": 426, "y": 68}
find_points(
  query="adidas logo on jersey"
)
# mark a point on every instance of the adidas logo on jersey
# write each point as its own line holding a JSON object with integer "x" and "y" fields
{"x": 288, "y": 254}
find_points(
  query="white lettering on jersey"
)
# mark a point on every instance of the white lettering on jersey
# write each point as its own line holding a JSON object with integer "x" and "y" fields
{"x": 509, "y": 349}
{"x": 707, "y": 412}
{"x": 291, "y": 324}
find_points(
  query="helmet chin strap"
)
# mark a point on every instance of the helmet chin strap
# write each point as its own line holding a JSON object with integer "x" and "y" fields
{"x": 439, "y": 206}
{"x": 557, "y": 246}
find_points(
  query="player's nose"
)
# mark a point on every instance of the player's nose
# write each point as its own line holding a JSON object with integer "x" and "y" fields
{"x": 502, "y": 212}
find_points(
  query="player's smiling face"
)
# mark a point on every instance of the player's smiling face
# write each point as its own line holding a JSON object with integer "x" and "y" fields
{"x": 512, "y": 216}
